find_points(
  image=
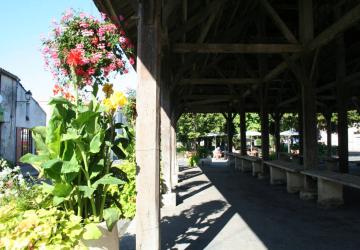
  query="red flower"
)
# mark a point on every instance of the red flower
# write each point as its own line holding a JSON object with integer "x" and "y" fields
{"x": 80, "y": 72}
{"x": 94, "y": 40}
{"x": 74, "y": 58}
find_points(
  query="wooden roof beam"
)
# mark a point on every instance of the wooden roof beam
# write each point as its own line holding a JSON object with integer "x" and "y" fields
{"x": 196, "y": 19}
{"x": 220, "y": 81}
{"x": 237, "y": 48}
{"x": 278, "y": 22}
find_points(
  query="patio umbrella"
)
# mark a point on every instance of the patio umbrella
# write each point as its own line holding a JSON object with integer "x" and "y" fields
{"x": 289, "y": 133}
{"x": 252, "y": 133}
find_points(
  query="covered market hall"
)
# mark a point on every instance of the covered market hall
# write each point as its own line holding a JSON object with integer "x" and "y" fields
{"x": 233, "y": 57}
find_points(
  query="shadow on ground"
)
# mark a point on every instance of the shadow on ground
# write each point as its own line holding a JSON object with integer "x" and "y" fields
{"x": 277, "y": 219}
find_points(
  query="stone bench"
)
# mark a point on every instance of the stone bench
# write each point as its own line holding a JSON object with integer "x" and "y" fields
{"x": 248, "y": 164}
{"x": 330, "y": 186}
{"x": 286, "y": 172}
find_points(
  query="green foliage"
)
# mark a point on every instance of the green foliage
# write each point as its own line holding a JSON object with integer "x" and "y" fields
{"x": 253, "y": 121}
{"x": 74, "y": 153}
{"x": 194, "y": 160}
{"x": 126, "y": 194}
{"x": 40, "y": 229}
{"x": 192, "y": 126}
{"x": 129, "y": 110}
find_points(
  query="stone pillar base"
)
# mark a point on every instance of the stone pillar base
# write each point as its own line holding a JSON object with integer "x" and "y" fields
{"x": 169, "y": 200}
{"x": 237, "y": 164}
{"x": 294, "y": 182}
{"x": 277, "y": 176}
{"x": 256, "y": 168}
{"x": 246, "y": 166}
{"x": 309, "y": 192}
{"x": 330, "y": 194}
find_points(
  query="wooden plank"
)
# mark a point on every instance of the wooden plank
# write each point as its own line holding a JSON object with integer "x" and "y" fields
{"x": 218, "y": 81}
{"x": 279, "y": 22}
{"x": 285, "y": 165}
{"x": 236, "y": 48}
{"x": 344, "y": 179}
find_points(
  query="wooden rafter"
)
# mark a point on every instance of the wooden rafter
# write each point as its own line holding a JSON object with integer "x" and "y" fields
{"x": 220, "y": 81}
{"x": 237, "y": 48}
{"x": 278, "y": 21}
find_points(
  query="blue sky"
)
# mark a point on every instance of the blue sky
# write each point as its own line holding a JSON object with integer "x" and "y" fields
{"x": 21, "y": 24}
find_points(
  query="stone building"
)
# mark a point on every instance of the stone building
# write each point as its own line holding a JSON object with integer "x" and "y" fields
{"x": 19, "y": 112}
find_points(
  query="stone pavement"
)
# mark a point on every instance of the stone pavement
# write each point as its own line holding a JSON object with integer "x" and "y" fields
{"x": 223, "y": 210}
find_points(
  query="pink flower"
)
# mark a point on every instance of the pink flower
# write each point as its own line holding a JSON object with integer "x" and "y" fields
{"x": 122, "y": 39}
{"x": 82, "y": 15}
{"x": 91, "y": 71}
{"x": 96, "y": 57}
{"x": 101, "y": 46}
{"x": 85, "y": 60}
{"x": 121, "y": 18}
{"x": 110, "y": 55}
{"x": 132, "y": 60}
{"x": 68, "y": 14}
{"x": 84, "y": 25}
{"x": 87, "y": 33}
{"x": 79, "y": 46}
{"x": 103, "y": 16}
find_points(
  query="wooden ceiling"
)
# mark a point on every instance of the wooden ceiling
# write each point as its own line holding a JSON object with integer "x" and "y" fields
{"x": 214, "y": 48}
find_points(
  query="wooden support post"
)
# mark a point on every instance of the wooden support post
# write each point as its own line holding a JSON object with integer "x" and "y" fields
{"x": 341, "y": 102}
{"x": 168, "y": 198}
{"x": 147, "y": 129}
{"x": 229, "y": 123}
{"x": 174, "y": 165}
{"x": 277, "y": 118}
{"x": 264, "y": 118}
{"x": 308, "y": 87}
{"x": 328, "y": 116}
{"x": 243, "y": 129}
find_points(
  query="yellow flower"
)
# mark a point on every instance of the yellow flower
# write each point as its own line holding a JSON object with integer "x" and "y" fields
{"x": 108, "y": 89}
{"x": 108, "y": 105}
{"x": 118, "y": 99}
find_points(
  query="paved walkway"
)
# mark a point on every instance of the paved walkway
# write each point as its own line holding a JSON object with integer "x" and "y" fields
{"x": 223, "y": 210}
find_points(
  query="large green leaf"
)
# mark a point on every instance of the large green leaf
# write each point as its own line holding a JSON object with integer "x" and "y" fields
{"x": 119, "y": 152}
{"x": 39, "y": 136}
{"x": 85, "y": 117}
{"x": 52, "y": 163}
{"x": 62, "y": 189}
{"x": 88, "y": 191}
{"x": 59, "y": 100}
{"x": 70, "y": 136}
{"x": 70, "y": 167}
{"x": 34, "y": 160}
{"x": 108, "y": 180}
{"x": 92, "y": 232}
{"x": 111, "y": 216}
{"x": 95, "y": 144}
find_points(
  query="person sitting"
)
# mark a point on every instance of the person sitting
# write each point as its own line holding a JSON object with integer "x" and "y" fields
{"x": 217, "y": 153}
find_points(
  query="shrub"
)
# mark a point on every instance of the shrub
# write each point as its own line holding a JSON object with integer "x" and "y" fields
{"x": 40, "y": 229}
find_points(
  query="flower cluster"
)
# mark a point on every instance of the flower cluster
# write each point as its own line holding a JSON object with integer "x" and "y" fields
{"x": 10, "y": 180}
{"x": 86, "y": 48}
{"x": 114, "y": 99}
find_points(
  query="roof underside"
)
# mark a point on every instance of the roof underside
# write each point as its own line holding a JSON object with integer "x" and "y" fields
{"x": 213, "y": 67}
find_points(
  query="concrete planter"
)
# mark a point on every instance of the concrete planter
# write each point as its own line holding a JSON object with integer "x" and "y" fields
{"x": 108, "y": 241}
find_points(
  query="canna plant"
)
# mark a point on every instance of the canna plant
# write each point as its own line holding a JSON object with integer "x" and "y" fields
{"x": 76, "y": 149}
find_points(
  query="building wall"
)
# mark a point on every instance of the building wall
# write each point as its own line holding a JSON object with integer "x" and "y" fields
{"x": 37, "y": 116}
{"x": 8, "y": 127}
{"x": 16, "y": 108}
